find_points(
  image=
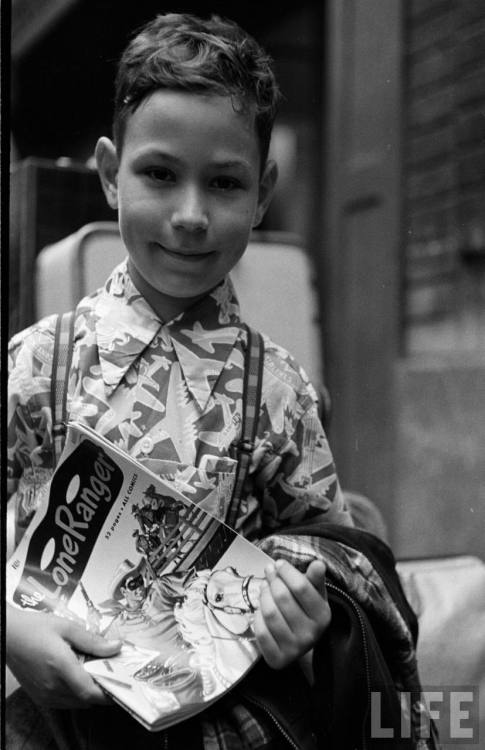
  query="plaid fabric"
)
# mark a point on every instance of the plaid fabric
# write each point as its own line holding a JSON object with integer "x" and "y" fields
{"x": 232, "y": 726}
{"x": 352, "y": 571}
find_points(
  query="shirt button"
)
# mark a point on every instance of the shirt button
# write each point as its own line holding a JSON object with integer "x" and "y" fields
{"x": 146, "y": 445}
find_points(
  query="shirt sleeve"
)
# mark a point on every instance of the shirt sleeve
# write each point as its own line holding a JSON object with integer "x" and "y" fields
{"x": 29, "y": 454}
{"x": 299, "y": 482}
{"x": 295, "y": 478}
{"x": 19, "y": 425}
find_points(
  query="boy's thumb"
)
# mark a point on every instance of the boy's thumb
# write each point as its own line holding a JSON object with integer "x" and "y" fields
{"x": 91, "y": 643}
{"x": 315, "y": 573}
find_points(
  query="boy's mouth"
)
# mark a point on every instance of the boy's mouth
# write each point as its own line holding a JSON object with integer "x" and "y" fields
{"x": 187, "y": 254}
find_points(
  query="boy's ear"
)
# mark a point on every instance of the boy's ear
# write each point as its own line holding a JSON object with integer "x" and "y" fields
{"x": 107, "y": 164}
{"x": 266, "y": 188}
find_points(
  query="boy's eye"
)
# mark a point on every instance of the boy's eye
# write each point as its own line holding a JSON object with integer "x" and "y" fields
{"x": 225, "y": 183}
{"x": 160, "y": 174}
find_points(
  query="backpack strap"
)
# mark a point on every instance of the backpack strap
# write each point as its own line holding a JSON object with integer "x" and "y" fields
{"x": 251, "y": 403}
{"x": 61, "y": 365}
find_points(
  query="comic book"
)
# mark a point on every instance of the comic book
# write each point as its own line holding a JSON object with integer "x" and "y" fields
{"x": 126, "y": 552}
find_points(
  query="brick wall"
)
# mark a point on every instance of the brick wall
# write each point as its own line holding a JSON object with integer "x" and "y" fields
{"x": 444, "y": 161}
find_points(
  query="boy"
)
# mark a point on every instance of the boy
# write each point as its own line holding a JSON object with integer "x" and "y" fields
{"x": 158, "y": 365}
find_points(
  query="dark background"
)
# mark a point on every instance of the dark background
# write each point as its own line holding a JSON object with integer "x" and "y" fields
{"x": 62, "y": 81}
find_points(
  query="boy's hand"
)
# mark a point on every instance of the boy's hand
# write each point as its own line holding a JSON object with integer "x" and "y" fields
{"x": 293, "y": 612}
{"x": 41, "y": 654}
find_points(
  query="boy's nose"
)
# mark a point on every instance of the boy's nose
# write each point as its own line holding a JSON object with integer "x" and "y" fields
{"x": 190, "y": 213}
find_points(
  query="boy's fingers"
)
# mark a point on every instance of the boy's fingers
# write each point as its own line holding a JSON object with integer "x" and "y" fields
{"x": 282, "y": 627}
{"x": 90, "y": 643}
{"x": 278, "y": 610}
{"x": 66, "y": 684}
{"x": 293, "y": 612}
{"x": 85, "y": 690}
{"x": 269, "y": 647}
{"x": 89, "y": 692}
{"x": 302, "y": 588}
{"x": 82, "y": 685}
{"x": 287, "y": 621}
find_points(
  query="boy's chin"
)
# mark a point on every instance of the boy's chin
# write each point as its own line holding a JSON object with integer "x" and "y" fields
{"x": 170, "y": 304}
{"x": 186, "y": 296}
{"x": 189, "y": 291}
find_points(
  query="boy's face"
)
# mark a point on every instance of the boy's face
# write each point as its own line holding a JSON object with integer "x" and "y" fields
{"x": 188, "y": 189}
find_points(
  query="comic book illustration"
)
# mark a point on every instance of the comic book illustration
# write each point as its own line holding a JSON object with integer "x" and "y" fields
{"x": 128, "y": 554}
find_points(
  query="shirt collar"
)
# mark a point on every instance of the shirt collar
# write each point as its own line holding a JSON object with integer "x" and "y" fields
{"x": 203, "y": 336}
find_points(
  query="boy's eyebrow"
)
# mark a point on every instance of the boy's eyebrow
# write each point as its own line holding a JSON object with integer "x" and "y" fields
{"x": 232, "y": 163}
{"x": 150, "y": 153}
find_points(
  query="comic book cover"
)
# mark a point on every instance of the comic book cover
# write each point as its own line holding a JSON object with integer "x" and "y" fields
{"x": 128, "y": 554}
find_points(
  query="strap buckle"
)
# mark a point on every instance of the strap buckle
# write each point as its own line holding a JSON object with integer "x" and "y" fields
{"x": 243, "y": 446}
{"x": 59, "y": 428}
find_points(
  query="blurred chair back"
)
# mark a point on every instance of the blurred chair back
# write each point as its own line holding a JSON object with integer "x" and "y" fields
{"x": 273, "y": 280}
{"x": 75, "y": 266}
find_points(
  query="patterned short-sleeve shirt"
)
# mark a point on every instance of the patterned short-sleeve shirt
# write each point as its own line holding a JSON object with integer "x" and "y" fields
{"x": 170, "y": 393}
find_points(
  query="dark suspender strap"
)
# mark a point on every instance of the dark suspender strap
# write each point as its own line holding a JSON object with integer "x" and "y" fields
{"x": 252, "y": 387}
{"x": 61, "y": 365}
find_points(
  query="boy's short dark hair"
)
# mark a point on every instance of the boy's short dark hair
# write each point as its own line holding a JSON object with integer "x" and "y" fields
{"x": 183, "y": 52}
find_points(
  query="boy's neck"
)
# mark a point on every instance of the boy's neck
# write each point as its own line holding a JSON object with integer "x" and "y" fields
{"x": 166, "y": 307}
